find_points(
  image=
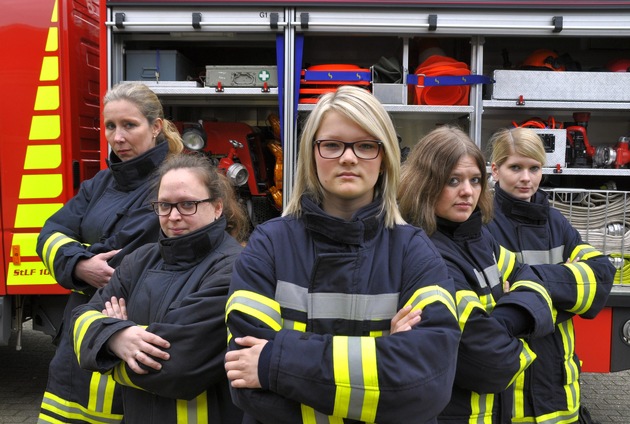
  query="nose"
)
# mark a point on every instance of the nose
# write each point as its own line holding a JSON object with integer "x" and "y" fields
{"x": 119, "y": 135}
{"x": 466, "y": 189}
{"x": 525, "y": 175}
{"x": 174, "y": 214}
{"x": 348, "y": 155}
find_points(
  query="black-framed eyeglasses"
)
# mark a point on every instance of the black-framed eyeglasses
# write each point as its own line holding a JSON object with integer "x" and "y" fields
{"x": 363, "y": 149}
{"x": 185, "y": 208}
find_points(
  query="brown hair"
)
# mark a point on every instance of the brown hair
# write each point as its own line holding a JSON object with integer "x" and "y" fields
{"x": 427, "y": 170}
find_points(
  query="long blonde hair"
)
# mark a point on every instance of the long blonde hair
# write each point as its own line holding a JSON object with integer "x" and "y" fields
{"x": 362, "y": 108}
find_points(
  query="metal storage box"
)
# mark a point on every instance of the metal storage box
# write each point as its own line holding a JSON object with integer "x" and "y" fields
{"x": 555, "y": 142}
{"x": 562, "y": 86}
{"x": 241, "y": 76}
{"x": 142, "y": 65}
{"x": 395, "y": 94}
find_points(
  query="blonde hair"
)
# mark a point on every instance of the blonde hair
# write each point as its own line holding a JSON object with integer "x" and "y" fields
{"x": 150, "y": 106}
{"x": 516, "y": 141}
{"x": 362, "y": 108}
{"x": 427, "y": 171}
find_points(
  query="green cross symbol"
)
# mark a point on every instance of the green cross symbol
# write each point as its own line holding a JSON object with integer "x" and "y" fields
{"x": 264, "y": 75}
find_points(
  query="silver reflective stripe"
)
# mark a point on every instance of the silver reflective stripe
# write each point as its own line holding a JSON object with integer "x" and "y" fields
{"x": 355, "y": 367}
{"x": 538, "y": 257}
{"x": 337, "y": 305}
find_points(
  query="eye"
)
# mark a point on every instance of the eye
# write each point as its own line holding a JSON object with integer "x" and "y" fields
{"x": 109, "y": 126}
{"x": 453, "y": 182}
{"x": 129, "y": 125}
{"x": 164, "y": 206}
{"x": 187, "y": 205}
{"x": 534, "y": 169}
{"x": 515, "y": 168}
{"x": 366, "y": 146}
{"x": 475, "y": 180}
{"x": 331, "y": 145}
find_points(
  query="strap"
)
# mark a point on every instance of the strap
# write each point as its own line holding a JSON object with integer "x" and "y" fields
{"x": 429, "y": 81}
{"x": 337, "y": 75}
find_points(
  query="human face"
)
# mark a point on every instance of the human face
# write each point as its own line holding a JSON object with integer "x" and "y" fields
{"x": 460, "y": 195}
{"x": 183, "y": 184}
{"x": 348, "y": 181}
{"x": 127, "y": 130}
{"x": 519, "y": 176}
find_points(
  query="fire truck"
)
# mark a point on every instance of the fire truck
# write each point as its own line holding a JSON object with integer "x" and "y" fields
{"x": 239, "y": 77}
{"x": 49, "y": 143}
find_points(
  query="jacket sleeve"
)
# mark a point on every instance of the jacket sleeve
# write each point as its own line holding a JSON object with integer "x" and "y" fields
{"x": 196, "y": 331}
{"x": 490, "y": 357}
{"x": 194, "y": 326}
{"x": 404, "y": 377}
{"x": 60, "y": 244}
{"x": 580, "y": 285}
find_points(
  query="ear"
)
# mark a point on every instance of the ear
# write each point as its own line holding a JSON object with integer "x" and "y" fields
{"x": 158, "y": 124}
{"x": 218, "y": 208}
{"x": 495, "y": 172}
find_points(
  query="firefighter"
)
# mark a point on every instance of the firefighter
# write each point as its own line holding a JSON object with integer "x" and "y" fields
{"x": 83, "y": 242}
{"x": 444, "y": 191}
{"x": 579, "y": 277}
{"x": 314, "y": 292}
{"x": 166, "y": 348}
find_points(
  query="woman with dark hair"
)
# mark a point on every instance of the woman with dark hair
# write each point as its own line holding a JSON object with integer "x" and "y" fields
{"x": 158, "y": 326}
{"x": 83, "y": 242}
{"x": 500, "y": 303}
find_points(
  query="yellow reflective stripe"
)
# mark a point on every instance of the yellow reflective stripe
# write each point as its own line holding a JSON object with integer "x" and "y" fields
{"x": 46, "y": 127}
{"x": 35, "y": 215}
{"x": 584, "y": 252}
{"x": 506, "y": 262}
{"x": 488, "y": 302}
{"x": 73, "y": 411}
{"x": 81, "y": 326}
{"x": 294, "y": 325}
{"x": 481, "y": 408}
{"x": 378, "y": 333}
{"x": 120, "y": 376}
{"x": 54, "y": 18}
{"x": 518, "y": 409}
{"x": 27, "y": 243}
{"x": 467, "y": 301}
{"x": 571, "y": 368}
{"x": 52, "y": 42}
{"x": 50, "y": 69}
{"x": 532, "y": 285}
{"x": 257, "y": 306}
{"x": 193, "y": 411}
{"x": 101, "y": 394}
{"x": 41, "y": 186}
{"x": 51, "y": 246}
{"x": 356, "y": 378}
{"x": 47, "y": 98}
{"x": 585, "y": 286}
{"x": 526, "y": 358}
{"x": 430, "y": 294}
{"x": 43, "y": 156}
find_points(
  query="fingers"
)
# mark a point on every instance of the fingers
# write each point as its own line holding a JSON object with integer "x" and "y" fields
{"x": 405, "y": 319}
{"x": 506, "y": 286}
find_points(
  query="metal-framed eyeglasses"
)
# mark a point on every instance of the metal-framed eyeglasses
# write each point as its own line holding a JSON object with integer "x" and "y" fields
{"x": 363, "y": 149}
{"x": 185, "y": 208}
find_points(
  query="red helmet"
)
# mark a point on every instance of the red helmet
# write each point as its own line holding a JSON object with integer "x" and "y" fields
{"x": 618, "y": 65}
{"x": 543, "y": 59}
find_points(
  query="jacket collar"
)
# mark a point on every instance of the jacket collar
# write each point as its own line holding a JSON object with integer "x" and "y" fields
{"x": 190, "y": 249}
{"x": 131, "y": 174}
{"x": 536, "y": 211}
{"x": 363, "y": 226}
{"x": 469, "y": 229}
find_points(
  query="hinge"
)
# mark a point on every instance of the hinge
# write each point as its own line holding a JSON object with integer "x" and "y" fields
{"x": 119, "y": 19}
{"x": 432, "y": 22}
{"x": 196, "y": 20}
{"x": 304, "y": 20}
{"x": 557, "y": 23}
{"x": 274, "y": 18}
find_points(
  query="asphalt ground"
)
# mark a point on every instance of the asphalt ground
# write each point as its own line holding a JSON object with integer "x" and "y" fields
{"x": 23, "y": 381}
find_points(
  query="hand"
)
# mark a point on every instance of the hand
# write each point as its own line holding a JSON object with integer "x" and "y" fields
{"x": 506, "y": 286}
{"x": 95, "y": 271}
{"x": 116, "y": 308}
{"x": 242, "y": 365}
{"x": 135, "y": 345}
{"x": 405, "y": 319}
